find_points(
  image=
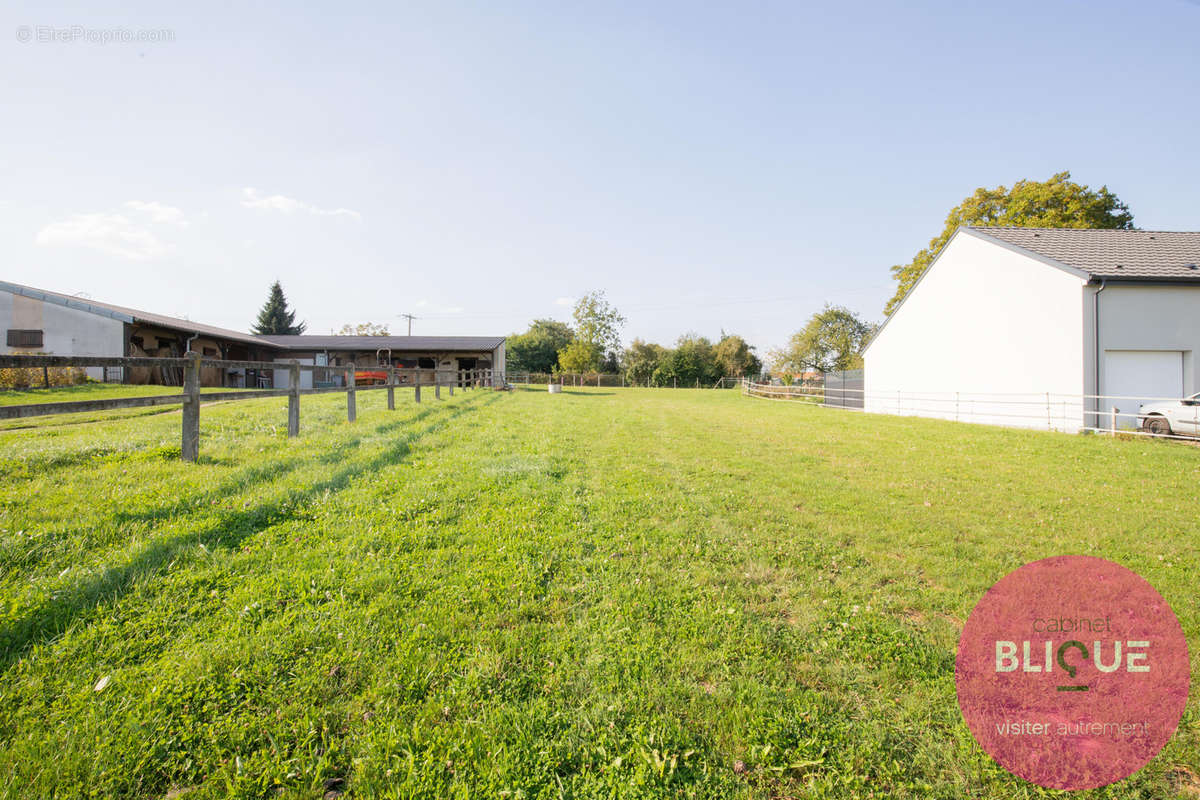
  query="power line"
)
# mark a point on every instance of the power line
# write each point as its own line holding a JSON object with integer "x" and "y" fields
{"x": 410, "y": 318}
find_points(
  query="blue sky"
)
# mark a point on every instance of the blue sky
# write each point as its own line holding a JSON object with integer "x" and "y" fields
{"x": 711, "y": 166}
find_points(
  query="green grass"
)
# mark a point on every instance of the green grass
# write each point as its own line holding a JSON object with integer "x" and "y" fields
{"x": 607, "y": 593}
{"x": 83, "y": 391}
{"x": 87, "y": 391}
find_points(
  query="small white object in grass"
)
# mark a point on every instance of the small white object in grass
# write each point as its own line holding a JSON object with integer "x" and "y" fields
{"x": 101, "y": 684}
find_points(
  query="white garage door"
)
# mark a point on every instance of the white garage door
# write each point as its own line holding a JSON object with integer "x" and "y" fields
{"x": 1143, "y": 375}
{"x": 283, "y": 380}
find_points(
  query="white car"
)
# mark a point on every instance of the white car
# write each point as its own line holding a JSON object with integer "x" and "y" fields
{"x": 1171, "y": 416}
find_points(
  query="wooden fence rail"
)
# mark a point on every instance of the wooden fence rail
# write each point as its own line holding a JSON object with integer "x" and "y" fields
{"x": 192, "y": 397}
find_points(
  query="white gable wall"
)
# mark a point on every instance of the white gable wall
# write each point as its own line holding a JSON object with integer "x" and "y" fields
{"x": 66, "y": 331}
{"x": 984, "y": 335}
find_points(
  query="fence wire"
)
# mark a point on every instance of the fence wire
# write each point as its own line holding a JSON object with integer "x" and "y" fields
{"x": 1033, "y": 410}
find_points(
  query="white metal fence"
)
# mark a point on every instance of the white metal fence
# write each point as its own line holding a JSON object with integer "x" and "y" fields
{"x": 1033, "y": 410}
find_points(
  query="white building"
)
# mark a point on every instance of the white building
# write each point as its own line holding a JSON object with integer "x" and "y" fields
{"x": 1043, "y": 328}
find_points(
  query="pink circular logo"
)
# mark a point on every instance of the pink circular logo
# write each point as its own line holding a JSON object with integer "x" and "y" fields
{"x": 1072, "y": 672}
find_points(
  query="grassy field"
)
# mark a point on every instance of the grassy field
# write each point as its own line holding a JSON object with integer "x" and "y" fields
{"x": 608, "y": 593}
{"x": 85, "y": 391}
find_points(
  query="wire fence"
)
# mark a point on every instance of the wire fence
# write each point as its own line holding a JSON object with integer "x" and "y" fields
{"x": 612, "y": 379}
{"x": 387, "y": 378}
{"x": 1173, "y": 417}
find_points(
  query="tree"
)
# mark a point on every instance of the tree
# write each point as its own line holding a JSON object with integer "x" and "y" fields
{"x": 611, "y": 364}
{"x": 735, "y": 357}
{"x": 691, "y": 362}
{"x": 275, "y": 318}
{"x": 364, "y": 329}
{"x": 1056, "y": 203}
{"x": 597, "y": 331}
{"x": 536, "y": 350}
{"x": 640, "y": 359}
{"x": 579, "y": 356}
{"x": 832, "y": 340}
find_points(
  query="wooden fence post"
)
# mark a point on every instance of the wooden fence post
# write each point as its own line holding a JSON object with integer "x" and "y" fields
{"x": 417, "y": 389}
{"x": 391, "y": 379}
{"x": 437, "y": 387}
{"x": 294, "y": 398}
{"x": 1113, "y": 422}
{"x": 190, "y": 444}
{"x": 351, "y": 406}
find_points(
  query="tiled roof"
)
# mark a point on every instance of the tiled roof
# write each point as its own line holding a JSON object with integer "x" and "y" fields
{"x": 1111, "y": 254}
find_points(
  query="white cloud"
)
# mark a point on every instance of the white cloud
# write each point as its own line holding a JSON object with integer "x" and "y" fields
{"x": 564, "y": 301}
{"x": 107, "y": 232}
{"x": 158, "y": 212}
{"x": 278, "y": 202}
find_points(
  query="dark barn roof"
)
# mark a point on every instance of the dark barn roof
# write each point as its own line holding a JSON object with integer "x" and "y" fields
{"x": 1110, "y": 254}
{"x": 128, "y": 314}
{"x": 397, "y": 343}
{"x": 442, "y": 344}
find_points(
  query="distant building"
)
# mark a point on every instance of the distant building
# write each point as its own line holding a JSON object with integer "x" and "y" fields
{"x": 1033, "y": 313}
{"x": 39, "y": 321}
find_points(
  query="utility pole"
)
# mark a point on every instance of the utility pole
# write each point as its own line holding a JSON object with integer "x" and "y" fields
{"x": 410, "y": 318}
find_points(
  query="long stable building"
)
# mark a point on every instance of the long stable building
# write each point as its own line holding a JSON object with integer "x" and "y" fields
{"x": 39, "y": 321}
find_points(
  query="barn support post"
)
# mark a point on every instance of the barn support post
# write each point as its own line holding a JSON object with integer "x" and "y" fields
{"x": 294, "y": 398}
{"x": 190, "y": 443}
{"x": 391, "y": 379}
{"x": 351, "y": 405}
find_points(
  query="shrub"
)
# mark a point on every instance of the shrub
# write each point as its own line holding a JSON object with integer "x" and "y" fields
{"x": 37, "y": 377}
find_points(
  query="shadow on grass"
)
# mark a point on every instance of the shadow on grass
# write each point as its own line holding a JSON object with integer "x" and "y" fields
{"x": 65, "y": 607}
{"x": 200, "y": 501}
